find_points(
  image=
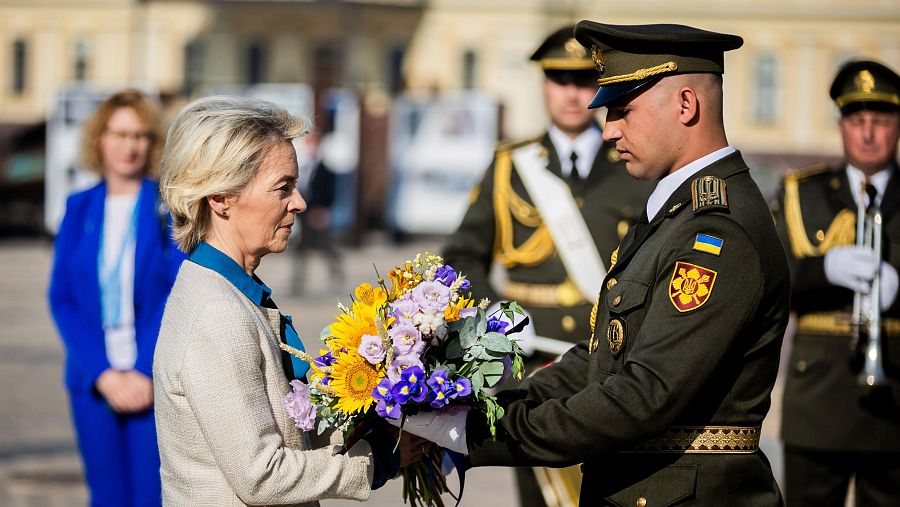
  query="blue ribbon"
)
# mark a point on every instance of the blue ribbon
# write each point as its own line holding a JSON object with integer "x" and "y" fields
{"x": 459, "y": 462}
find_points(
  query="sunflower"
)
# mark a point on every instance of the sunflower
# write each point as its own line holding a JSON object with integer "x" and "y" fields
{"x": 349, "y": 328}
{"x": 353, "y": 379}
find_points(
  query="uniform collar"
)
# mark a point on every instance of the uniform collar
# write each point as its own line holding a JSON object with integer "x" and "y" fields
{"x": 210, "y": 257}
{"x": 586, "y": 145}
{"x": 855, "y": 177}
{"x": 670, "y": 183}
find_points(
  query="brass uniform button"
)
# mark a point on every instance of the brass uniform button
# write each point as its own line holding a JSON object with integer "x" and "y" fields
{"x": 568, "y": 323}
{"x": 613, "y": 155}
{"x": 835, "y": 184}
{"x": 617, "y": 300}
{"x": 622, "y": 228}
{"x": 611, "y": 283}
{"x": 801, "y": 366}
{"x": 820, "y": 235}
{"x": 641, "y": 502}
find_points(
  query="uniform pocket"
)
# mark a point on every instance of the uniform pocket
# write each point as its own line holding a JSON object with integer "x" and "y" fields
{"x": 668, "y": 486}
{"x": 626, "y": 295}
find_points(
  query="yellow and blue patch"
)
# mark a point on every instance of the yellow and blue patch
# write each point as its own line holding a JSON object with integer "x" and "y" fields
{"x": 708, "y": 244}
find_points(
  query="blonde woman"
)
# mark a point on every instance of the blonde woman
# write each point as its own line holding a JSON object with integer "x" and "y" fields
{"x": 113, "y": 266}
{"x": 229, "y": 177}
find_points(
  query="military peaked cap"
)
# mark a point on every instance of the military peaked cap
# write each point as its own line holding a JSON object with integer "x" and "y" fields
{"x": 866, "y": 85}
{"x": 564, "y": 60}
{"x": 630, "y": 57}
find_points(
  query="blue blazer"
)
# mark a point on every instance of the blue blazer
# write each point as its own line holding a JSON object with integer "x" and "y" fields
{"x": 74, "y": 293}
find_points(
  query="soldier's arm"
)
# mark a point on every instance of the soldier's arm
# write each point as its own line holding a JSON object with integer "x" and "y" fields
{"x": 470, "y": 248}
{"x": 674, "y": 357}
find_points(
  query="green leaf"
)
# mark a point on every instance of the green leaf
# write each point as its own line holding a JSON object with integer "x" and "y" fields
{"x": 453, "y": 350}
{"x": 477, "y": 381}
{"x": 322, "y": 426}
{"x": 496, "y": 342}
{"x": 481, "y": 319}
{"x": 468, "y": 335}
{"x": 492, "y": 372}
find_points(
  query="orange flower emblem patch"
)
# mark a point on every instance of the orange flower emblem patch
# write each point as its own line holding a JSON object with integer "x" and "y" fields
{"x": 691, "y": 286}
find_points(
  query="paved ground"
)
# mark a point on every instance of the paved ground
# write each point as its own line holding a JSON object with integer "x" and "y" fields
{"x": 38, "y": 461}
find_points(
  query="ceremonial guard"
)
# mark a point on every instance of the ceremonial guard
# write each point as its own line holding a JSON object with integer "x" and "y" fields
{"x": 841, "y": 417}
{"x": 663, "y": 404}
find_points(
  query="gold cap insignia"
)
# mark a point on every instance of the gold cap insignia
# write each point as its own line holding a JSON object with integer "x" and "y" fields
{"x": 615, "y": 335}
{"x": 865, "y": 81}
{"x": 574, "y": 49}
{"x": 597, "y": 56}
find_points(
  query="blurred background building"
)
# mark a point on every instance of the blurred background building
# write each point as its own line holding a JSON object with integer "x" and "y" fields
{"x": 358, "y": 60}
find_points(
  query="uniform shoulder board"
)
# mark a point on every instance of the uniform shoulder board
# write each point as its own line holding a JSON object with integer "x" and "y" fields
{"x": 804, "y": 172}
{"x": 511, "y": 146}
{"x": 708, "y": 194}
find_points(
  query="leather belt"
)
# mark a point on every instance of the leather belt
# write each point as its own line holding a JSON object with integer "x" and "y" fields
{"x": 703, "y": 440}
{"x": 544, "y": 295}
{"x": 838, "y": 324}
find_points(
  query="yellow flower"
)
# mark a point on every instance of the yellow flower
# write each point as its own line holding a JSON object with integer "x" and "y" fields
{"x": 353, "y": 379}
{"x": 451, "y": 314}
{"x": 371, "y": 296}
{"x": 690, "y": 286}
{"x": 349, "y": 328}
{"x": 403, "y": 279}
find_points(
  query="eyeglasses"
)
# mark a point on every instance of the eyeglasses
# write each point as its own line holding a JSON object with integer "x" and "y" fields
{"x": 123, "y": 135}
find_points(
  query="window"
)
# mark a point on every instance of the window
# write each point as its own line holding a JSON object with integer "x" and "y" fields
{"x": 193, "y": 67}
{"x": 395, "y": 70}
{"x": 255, "y": 63}
{"x": 19, "y": 66}
{"x": 81, "y": 60}
{"x": 765, "y": 89}
{"x": 470, "y": 60}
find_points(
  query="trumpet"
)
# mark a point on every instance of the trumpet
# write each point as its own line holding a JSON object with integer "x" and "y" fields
{"x": 866, "y": 319}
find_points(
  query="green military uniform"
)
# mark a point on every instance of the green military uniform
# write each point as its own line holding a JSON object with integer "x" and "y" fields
{"x": 663, "y": 405}
{"x": 829, "y": 421}
{"x": 503, "y": 225}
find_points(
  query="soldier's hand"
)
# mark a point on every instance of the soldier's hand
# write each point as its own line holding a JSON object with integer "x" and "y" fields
{"x": 852, "y": 267}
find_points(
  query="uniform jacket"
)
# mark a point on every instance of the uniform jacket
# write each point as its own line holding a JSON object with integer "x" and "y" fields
{"x": 610, "y": 201}
{"x": 699, "y": 361}
{"x": 224, "y": 435}
{"x": 822, "y": 375}
{"x": 74, "y": 293}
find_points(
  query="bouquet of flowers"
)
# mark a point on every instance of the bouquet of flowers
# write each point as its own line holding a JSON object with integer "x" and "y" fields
{"x": 419, "y": 344}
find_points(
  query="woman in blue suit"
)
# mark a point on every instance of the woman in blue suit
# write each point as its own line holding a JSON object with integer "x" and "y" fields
{"x": 113, "y": 266}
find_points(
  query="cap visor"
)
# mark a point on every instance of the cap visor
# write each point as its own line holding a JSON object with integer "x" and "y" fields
{"x": 611, "y": 93}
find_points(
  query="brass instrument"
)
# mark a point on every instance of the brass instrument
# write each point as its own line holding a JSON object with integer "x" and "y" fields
{"x": 866, "y": 319}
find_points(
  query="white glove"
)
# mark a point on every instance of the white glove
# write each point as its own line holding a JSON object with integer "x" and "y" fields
{"x": 889, "y": 285}
{"x": 852, "y": 267}
{"x": 446, "y": 428}
{"x": 526, "y": 337}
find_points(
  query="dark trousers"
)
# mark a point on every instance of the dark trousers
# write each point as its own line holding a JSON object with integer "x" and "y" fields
{"x": 820, "y": 479}
{"x": 119, "y": 452}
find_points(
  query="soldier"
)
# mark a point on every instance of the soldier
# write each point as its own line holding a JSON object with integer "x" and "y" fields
{"x": 833, "y": 427}
{"x": 664, "y": 403}
{"x": 585, "y": 194}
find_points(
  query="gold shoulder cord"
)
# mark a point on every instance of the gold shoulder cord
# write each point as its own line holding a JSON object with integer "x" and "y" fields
{"x": 508, "y": 205}
{"x": 593, "y": 321}
{"x": 842, "y": 230}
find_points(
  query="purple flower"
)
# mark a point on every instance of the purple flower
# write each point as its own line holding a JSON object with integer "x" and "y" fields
{"x": 400, "y": 364}
{"x": 461, "y": 388}
{"x": 468, "y": 312}
{"x": 406, "y": 339}
{"x": 465, "y": 285}
{"x": 298, "y": 406}
{"x": 411, "y": 386}
{"x": 371, "y": 348}
{"x": 446, "y": 275}
{"x": 438, "y": 380}
{"x": 404, "y": 309}
{"x": 387, "y": 406}
{"x": 496, "y": 325}
{"x": 324, "y": 360}
{"x": 437, "y": 398}
{"x": 432, "y": 296}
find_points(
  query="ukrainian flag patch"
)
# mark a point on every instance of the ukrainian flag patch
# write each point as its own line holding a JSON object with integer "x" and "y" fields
{"x": 708, "y": 244}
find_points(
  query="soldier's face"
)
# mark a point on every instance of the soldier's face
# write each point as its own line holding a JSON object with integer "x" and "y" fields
{"x": 870, "y": 139}
{"x": 567, "y": 105}
{"x": 643, "y": 132}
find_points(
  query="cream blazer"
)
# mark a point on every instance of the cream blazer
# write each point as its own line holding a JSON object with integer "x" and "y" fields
{"x": 224, "y": 436}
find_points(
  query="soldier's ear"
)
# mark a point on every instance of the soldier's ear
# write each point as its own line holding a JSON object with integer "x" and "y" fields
{"x": 688, "y": 106}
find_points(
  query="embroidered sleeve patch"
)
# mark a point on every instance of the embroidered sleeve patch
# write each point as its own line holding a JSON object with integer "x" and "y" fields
{"x": 708, "y": 244}
{"x": 691, "y": 286}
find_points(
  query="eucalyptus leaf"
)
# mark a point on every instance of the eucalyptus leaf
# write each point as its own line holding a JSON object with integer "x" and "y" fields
{"x": 496, "y": 342}
{"x": 468, "y": 335}
{"x": 492, "y": 373}
{"x": 453, "y": 350}
{"x": 481, "y": 319}
{"x": 475, "y": 352}
{"x": 477, "y": 382}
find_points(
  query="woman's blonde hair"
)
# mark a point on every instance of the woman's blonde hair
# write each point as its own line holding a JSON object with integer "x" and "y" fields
{"x": 94, "y": 127}
{"x": 214, "y": 147}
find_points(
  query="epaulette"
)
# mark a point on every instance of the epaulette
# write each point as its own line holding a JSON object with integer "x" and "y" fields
{"x": 708, "y": 194}
{"x": 510, "y": 145}
{"x": 804, "y": 172}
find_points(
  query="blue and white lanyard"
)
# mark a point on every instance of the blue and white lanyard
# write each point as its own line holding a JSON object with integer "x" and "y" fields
{"x": 110, "y": 279}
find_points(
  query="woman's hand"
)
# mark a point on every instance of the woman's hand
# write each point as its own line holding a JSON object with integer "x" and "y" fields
{"x": 127, "y": 392}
